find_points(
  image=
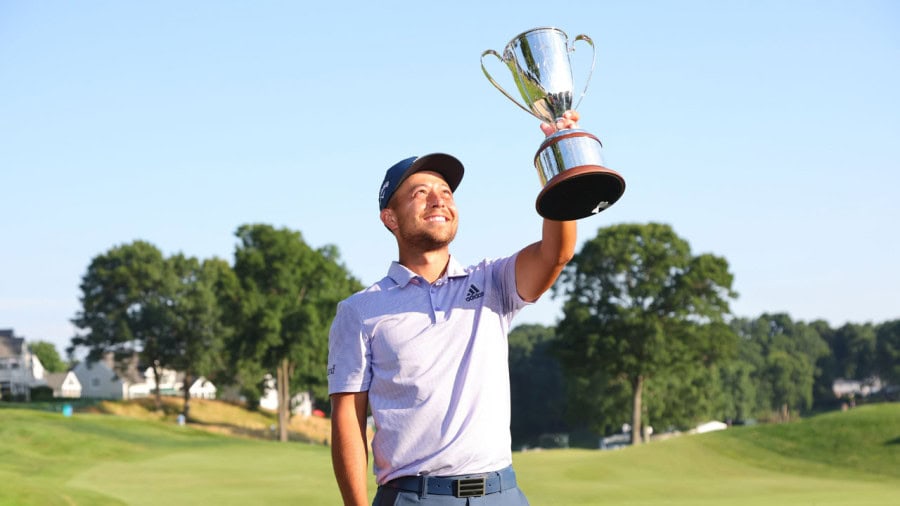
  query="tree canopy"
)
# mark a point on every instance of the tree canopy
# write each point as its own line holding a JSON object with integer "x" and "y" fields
{"x": 289, "y": 292}
{"x": 194, "y": 342}
{"x": 48, "y": 355}
{"x": 888, "y": 351}
{"x": 164, "y": 310}
{"x": 783, "y": 355}
{"x": 123, "y": 292}
{"x": 639, "y": 306}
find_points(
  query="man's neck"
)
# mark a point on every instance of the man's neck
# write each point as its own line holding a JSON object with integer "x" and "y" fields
{"x": 431, "y": 265}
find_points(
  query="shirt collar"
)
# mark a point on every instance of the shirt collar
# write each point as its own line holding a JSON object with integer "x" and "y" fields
{"x": 402, "y": 275}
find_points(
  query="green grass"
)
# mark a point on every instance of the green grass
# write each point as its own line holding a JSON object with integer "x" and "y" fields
{"x": 850, "y": 458}
{"x": 864, "y": 443}
{"x": 91, "y": 459}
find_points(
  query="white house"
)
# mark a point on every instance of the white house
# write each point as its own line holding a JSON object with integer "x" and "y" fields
{"x": 64, "y": 384}
{"x": 301, "y": 403}
{"x": 20, "y": 370}
{"x": 202, "y": 388}
{"x": 105, "y": 380}
{"x": 170, "y": 382}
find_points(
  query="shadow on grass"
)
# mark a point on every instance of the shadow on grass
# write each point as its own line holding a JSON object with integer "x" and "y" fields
{"x": 895, "y": 441}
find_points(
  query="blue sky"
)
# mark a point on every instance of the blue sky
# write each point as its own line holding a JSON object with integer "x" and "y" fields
{"x": 765, "y": 132}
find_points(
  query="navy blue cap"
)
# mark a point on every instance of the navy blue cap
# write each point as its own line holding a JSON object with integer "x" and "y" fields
{"x": 447, "y": 166}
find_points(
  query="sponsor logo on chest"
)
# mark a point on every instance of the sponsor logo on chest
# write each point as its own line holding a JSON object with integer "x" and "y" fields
{"x": 474, "y": 293}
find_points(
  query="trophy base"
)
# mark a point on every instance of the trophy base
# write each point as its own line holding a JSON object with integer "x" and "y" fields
{"x": 579, "y": 192}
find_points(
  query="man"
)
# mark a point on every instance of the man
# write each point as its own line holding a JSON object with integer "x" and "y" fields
{"x": 426, "y": 348}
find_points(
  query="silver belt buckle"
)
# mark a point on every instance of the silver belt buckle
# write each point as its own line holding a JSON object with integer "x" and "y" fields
{"x": 470, "y": 487}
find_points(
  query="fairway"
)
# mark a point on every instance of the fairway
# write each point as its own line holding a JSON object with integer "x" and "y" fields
{"x": 839, "y": 458}
{"x": 257, "y": 473}
{"x": 682, "y": 472}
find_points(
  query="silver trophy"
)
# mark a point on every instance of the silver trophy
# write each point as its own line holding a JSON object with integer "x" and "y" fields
{"x": 575, "y": 182}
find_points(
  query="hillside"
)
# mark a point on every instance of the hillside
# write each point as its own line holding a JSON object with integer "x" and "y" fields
{"x": 221, "y": 417}
{"x": 863, "y": 442}
{"x": 849, "y": 458}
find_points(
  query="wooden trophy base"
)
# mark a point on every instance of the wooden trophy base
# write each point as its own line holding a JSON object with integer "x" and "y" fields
{"x": 579, "y": 192}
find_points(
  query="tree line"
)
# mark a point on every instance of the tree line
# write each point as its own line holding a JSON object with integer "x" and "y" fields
{"x": 646, "y": 336}
{"x": 266, "y": 313}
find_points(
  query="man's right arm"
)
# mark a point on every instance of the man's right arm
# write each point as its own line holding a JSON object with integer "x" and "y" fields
{"x": 349, "y": 447}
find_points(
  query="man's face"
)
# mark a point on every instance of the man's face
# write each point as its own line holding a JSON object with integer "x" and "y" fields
{"x": 422, "y": 213}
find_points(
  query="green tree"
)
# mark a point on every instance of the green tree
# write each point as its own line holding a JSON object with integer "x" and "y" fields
{"x": 194, "y": 340}
{"x": 851, "y": 355}
{"x": 691, "y": 390}
{"x": 888, "y": 351}
{"x": 536, "y": 384}
{"x": 124, "y": 299}
{"x": 857, "y": 346}
{"x": 750, "y": 361}
{"x": 786, "y": 371}
{"x": 738, "y": 391}
{"x": 49, "y": 357}
{"x": 289, "y": 292}
{"x": 830, "y": 366}
{"x": 640, "y": 306}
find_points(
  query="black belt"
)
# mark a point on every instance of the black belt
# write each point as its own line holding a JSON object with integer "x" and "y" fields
{"x": 470, "y": 485}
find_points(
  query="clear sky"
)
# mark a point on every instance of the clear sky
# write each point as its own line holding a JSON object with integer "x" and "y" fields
{"x": 766, "y": 132}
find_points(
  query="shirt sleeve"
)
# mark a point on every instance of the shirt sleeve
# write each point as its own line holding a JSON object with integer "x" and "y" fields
{"x": 349, "y": 352}
{"x": 504, "y": 277}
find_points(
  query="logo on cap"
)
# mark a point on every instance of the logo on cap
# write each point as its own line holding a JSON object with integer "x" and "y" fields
{"x": 381, "y": 192}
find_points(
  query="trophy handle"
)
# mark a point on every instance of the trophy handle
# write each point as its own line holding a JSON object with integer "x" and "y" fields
{"x": 593, "y": 61}
{"x": 491, "y": 79}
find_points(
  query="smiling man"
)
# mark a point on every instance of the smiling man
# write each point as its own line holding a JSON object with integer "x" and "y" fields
{"x": 426, "y": 349}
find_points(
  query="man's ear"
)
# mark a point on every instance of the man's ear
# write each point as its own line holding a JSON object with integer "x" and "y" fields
{"x": 389, "y": 219}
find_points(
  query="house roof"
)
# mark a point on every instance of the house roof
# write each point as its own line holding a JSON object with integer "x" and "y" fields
{"x": 55, "y": 379}
{"x": 10, "y": 346}
{"x": 126, "y": 368}
{"x": 203, "y": 383}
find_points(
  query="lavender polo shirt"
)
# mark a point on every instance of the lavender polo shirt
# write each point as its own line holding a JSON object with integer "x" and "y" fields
{"x": 434, "y": 359}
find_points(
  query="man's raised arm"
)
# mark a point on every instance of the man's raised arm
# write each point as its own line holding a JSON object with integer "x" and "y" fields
{"x": 539, "y": 264}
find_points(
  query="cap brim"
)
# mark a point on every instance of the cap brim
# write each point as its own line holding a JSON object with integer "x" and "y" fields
{"x": 446, "y": 165}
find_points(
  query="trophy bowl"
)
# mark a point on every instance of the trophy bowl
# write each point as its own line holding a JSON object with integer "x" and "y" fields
{"x": 576, "y": 183}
